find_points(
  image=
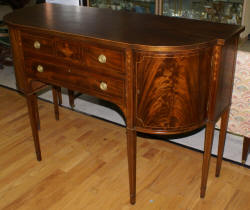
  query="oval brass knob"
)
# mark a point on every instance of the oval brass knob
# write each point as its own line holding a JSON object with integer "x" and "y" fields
{"x": 103, "y": 86}
{"x": 37, "y": 45}
{"x": 40, "y": 68}
{"x": 102, "y": 58}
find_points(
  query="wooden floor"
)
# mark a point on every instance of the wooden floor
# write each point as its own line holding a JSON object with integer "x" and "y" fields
{"x": 84, "y": 166}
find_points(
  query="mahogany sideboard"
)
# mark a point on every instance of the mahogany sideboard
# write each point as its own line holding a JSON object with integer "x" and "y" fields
{"x": 167, "y": 75}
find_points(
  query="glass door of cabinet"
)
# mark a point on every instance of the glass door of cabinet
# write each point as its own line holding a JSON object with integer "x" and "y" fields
{"x": 223, "y": 11}
{"x": 139, "y": 6}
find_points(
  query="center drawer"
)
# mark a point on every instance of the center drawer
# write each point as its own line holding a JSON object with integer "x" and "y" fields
{"x": 78, "y": 79}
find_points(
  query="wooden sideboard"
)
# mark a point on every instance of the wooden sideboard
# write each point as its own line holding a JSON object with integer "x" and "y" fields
{"x": 167, "y": 75}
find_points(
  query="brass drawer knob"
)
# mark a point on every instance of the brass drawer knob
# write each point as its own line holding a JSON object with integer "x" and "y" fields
{"x": 37, "y": 45}
{"x": 103, "y": 86}
{"x": 102, "y": 58}
{"x": 40, "y": 68}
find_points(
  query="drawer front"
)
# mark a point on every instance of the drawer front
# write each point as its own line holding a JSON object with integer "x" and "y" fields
{"x": 103, "y": 58}
{"x": 69, "y": 50}
{"x": 39, "y": 44}
{"x": 78, "y": 79}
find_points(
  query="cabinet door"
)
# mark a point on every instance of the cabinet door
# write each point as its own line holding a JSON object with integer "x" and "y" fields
{"x": 139, "y": 6}
{"x": 172, "y": 91}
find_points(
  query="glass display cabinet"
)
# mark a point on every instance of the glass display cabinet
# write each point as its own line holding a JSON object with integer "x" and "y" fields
{"x": 139, "y": 6}
{"x": 223, "y": 11}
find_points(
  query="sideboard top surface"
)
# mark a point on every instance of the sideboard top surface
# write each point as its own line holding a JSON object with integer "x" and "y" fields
{"x": 122, "y": 27}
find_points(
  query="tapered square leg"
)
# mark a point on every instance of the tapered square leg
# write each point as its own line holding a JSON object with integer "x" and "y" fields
{"x": 71, "y": 98}
{"x": 246, "y": 147}
{"x": 206, "y": 157}
{"x": 59, "y": 94}
{"x": 55, "y": 100}
{"x": 222, "y": 138}
{"x": 37, "y": 114}
{"x": 32, "y": 104}
{"x": 131, "y": 149}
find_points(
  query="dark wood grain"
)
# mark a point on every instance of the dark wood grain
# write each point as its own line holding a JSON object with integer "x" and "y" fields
{"x": 114, "y": 58}
{"x": 209, "y": 136}
{"x": 71, "y": 98}
{"x": 225, "y": 76}
{"x": 32, "y": 104}
{"x": 222, "y": 138}
{"x": 172, "y": 90}
{"x": 126, "y": 27}
{"x": 246, "y": 148}
{"x": 46, "y": 43}
{"x": 22, "y": 82}
{"x": 37, "y": 114}
{"x": 77, "y": 79}
{"x": 69, "y": 50}
{"x": 59, "y": 94}
{"x": 167, "y": 75}
{"x": 56, "y": 101}
{"x": 130, "y": 123}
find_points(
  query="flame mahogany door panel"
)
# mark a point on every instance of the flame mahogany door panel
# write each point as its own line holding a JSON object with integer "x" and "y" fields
{"x": 172, "y": 90}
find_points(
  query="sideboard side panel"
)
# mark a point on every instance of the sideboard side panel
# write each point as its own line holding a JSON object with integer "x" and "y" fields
{"x": 225, "y": 77}
{"x": 18, "y": 59}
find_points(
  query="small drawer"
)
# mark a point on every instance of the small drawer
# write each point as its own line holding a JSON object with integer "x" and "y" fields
{"x": 103, "y": 58}
{"x": 69, "y": 50}
{"x": 43, "y": 70}
{"x": 98, "y": 85}
{"x": 37, "y": 43}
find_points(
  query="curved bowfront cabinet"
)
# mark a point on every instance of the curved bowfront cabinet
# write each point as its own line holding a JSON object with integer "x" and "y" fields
{"x": 168, "y": 75}
{"x": 172, "y": 90}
